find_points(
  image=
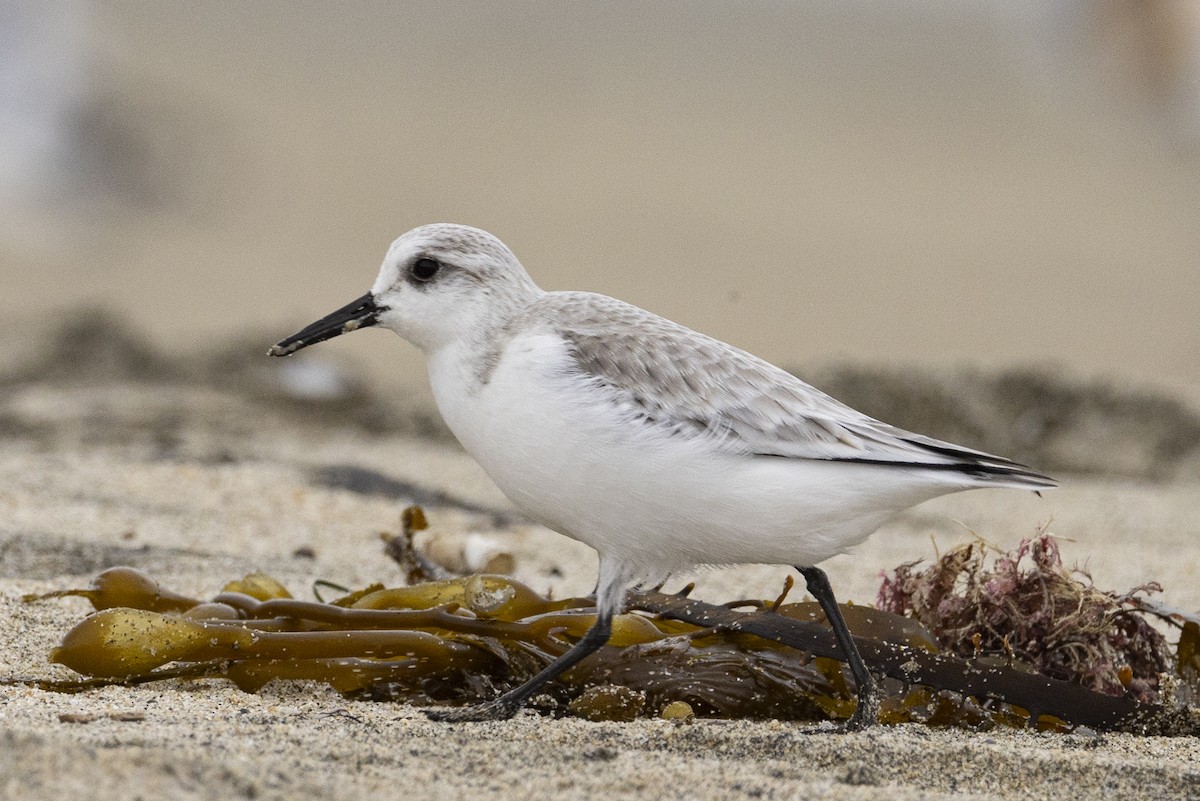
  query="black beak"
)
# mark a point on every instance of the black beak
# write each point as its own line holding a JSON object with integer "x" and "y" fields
{"x": 351, "y": 317}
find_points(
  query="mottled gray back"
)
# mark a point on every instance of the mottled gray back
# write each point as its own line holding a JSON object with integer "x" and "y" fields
{"x": 692, "y": 384}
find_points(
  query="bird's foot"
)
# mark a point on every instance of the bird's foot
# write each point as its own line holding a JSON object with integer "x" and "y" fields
{"x": 499, "y": 709}
{"x": 866, "y": 714}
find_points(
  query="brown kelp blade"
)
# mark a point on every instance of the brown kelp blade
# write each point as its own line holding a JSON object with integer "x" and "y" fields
{"x": 461, "y": 640}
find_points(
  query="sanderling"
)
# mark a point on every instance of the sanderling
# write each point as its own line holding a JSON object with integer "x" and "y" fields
{"x": 656, "y": 445}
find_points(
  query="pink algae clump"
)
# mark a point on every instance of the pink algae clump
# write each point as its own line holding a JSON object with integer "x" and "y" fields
{"x": 1026, "y": 608}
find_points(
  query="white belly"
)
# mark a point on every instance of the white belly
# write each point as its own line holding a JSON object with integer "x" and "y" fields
{"x": 567, "y": 456}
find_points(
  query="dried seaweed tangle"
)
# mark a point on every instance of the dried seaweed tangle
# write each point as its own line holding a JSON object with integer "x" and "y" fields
{"x": 1031, "y": 610}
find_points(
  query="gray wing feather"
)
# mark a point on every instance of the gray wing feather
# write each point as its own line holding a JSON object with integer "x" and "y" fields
{"x": 694, "y": 384}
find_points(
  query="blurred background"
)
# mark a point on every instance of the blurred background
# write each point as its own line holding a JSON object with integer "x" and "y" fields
{"x": 901, "y": 182}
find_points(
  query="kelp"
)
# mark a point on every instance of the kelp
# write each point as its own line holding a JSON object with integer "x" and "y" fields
{"x": 459, "y": 640}
{"x": 451, "y": 640}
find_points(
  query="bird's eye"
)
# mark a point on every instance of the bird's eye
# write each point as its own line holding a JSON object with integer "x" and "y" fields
{"x": 425, "y": 269}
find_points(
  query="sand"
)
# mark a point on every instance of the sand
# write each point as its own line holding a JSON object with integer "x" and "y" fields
{"x": 199, "y": 481}
{"x": 872, "y": 185}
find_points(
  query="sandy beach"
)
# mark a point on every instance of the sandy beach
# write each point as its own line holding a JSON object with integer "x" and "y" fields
{"x": 969, "y": 220}
{"x": 199, "y": 482}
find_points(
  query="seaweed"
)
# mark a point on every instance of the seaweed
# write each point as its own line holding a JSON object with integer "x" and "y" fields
{"x": 462, "y": 639}
{"x": 1028, "y": 609}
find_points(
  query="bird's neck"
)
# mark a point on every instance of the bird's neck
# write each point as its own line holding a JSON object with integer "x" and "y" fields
{"x": 464, "y": 364}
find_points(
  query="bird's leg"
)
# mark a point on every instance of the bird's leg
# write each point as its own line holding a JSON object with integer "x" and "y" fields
{"x": 867, "y": 710}
{"x": 510, "y": 703}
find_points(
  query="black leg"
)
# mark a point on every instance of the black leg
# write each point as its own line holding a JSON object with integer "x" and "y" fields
{"x": 507, "y": 705}
{"x": 867, "y": 710}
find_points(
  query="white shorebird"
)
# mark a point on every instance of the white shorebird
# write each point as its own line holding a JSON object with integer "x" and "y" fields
{"x": 658, "y": 446}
